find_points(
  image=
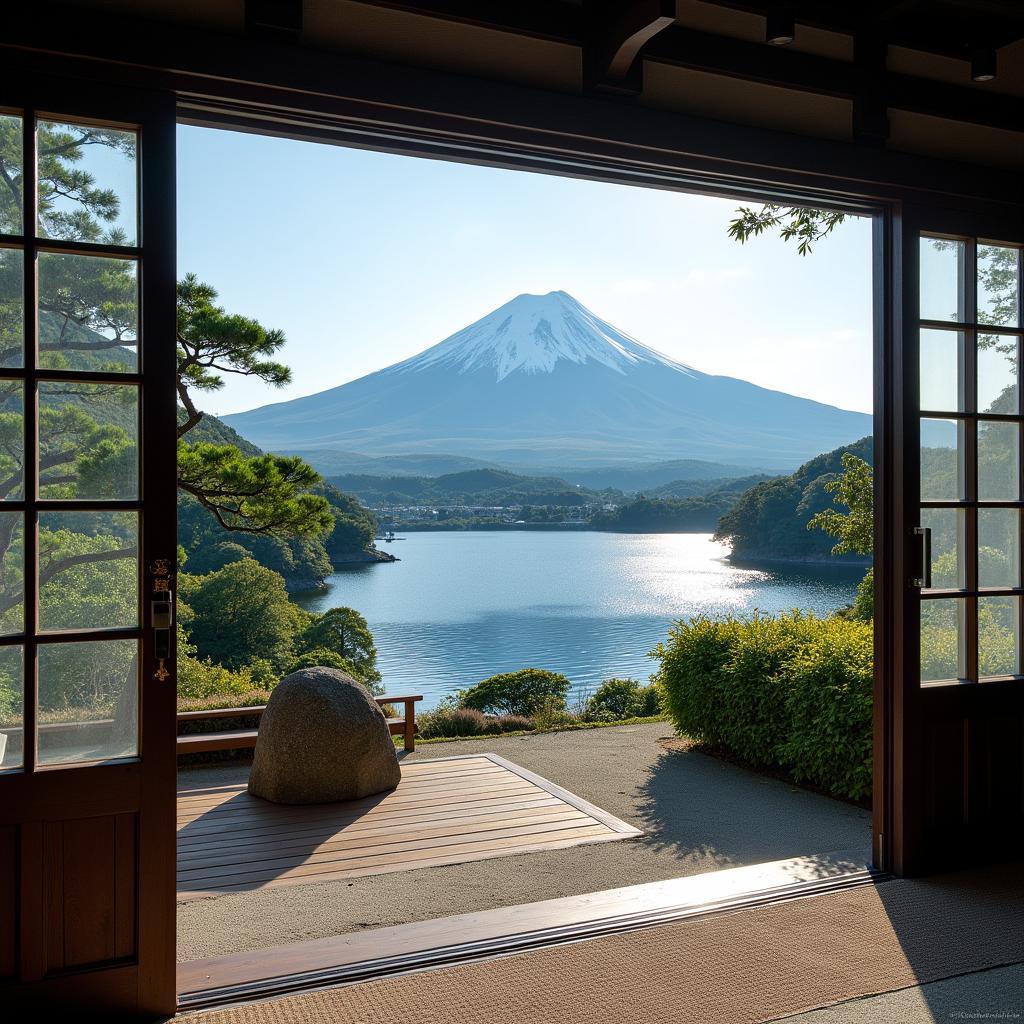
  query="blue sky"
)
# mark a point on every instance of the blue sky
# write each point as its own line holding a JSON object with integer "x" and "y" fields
{"x": 364, "y": 259}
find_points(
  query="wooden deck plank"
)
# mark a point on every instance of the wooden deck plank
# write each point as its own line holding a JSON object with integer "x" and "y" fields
{"x": 363, "y": 853}
{"x": 337, "y": 849}
{"x": 242, "y": 804}
{"x": 313, "y": 839}
{"x": 213, "y": 797}
{"x": 211, "y": 825}
{"x": 479, "y": 852}
{"x": 444, "y": 811}
{"x": 332, "y": 824}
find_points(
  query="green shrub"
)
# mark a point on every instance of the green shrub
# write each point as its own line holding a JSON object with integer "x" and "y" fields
{"x": 515, "y": 723}
{"x": 695, "y": 665}
{"x": 449, "y": 720}
{"x": 517, "y": 693}
{"x": 551, "y": 713}
{"x": 790, "y": 692}
{"x": 828, "y": 706}
{"x": 331, "y": 659}
{"x": 202, "y": 679}
{"x": 244, "y": 699}
{"x": 616, "y": 699}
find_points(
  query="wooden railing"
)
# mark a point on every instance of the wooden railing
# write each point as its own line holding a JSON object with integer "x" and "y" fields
{"x": 241, "y": 739}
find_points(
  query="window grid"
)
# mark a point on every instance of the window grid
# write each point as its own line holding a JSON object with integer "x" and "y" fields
{"x": 31, "y": 374}
{"x": 970, "y": 501}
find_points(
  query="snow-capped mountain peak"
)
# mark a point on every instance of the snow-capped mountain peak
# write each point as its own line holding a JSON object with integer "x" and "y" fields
{"x": 543, "y": 383}
{"x": 532, "y": 334}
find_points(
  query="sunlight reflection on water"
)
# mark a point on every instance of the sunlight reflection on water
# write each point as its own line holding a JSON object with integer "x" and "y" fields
{"x": 461, "y": 606}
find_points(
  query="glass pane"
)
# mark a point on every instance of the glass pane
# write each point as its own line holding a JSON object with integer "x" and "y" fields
{"x": 12, "y": 440}
{"x": 942, "y": 280}
{"x": 12, "y": 307}
{"x": 942, "y": 460}
{"x": 12, "y": 708}
{"x": 10, "y": 170}
{"x": 942, "y": 388}
{"x": 998, "y": 547}
{"x": 88, "y": 440}
{"x": 998, "y": 373}
{"x": 88, "y": 701}
{"x": 998, "y": 636}
{"x": 12, "y": 573}
{"x": 947, "y": 526}
{"x": 88, "y": 574}
{"x": 88, "y": 313}
{"x": 998, "y": 267}
{"x": 87, "y": 183}
{"x": 942, "y": 639}
{"x": 998, "y": 461}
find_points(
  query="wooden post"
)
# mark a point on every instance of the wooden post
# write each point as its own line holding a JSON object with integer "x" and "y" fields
{"x": 410, "y": 725}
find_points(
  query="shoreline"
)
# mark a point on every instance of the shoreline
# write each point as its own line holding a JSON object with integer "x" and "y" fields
{"x": 741, "y": 561}
{"x": 367, "y": 557}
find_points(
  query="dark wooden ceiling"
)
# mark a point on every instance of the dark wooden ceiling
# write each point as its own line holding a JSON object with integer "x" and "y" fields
{"x": 949, "y": 27}
{"x": 604, "y": 29}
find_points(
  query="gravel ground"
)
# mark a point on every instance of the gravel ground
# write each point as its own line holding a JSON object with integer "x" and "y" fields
{"x": 697, "y": 814}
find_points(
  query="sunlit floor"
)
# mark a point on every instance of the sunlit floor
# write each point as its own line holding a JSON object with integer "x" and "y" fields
{"x": 445, "y": 811}
{"x": 695, "y": 813}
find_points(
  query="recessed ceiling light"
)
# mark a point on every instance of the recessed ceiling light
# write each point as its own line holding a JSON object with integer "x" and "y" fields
{"x": 983, "y": 65}
{"x": 780, "y": 28}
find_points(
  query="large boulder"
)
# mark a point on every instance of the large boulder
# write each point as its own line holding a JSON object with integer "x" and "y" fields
{"x": 322, "y": 738}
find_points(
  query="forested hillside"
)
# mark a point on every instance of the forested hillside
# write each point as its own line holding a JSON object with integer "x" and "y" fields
{"x": 304, "y": 562}
{"x": 471, "y": 487}
{"x": 666, "y": 515}
{"x": 770, "y": 520}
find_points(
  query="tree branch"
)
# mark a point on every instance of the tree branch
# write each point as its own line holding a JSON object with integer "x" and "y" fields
{"x": 52, "y": 569}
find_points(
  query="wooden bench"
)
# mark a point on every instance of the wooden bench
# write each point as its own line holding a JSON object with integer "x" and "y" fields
{"x": 242, "y": 739}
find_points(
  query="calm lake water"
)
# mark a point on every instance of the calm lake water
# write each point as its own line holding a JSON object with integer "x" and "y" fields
{"x": 462, "y": 606}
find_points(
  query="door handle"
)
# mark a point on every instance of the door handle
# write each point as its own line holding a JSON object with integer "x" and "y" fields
{"x": 923, "y": 579}
{"x": 162, "y": 620}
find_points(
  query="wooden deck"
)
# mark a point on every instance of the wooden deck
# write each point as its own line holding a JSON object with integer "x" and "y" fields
{"x": 444, "y": 811}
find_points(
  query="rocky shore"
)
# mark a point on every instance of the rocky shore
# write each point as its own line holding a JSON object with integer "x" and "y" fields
{"x": 371, "y": 554}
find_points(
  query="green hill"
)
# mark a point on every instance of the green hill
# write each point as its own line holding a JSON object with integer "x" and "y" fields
{"x": 769, "y": 521}
{"x": 699, "y": 514}
{"x": 216, "y": 431}
{"x": 469, "y": 487}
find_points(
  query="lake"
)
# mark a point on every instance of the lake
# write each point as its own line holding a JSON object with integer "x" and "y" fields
{"x": 462, "y": 605}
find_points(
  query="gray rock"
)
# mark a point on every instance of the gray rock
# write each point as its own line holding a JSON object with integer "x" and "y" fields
{"x": 322, "y": 739}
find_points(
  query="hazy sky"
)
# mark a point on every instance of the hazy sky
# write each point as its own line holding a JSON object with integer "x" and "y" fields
{"x": 364, "y": 259}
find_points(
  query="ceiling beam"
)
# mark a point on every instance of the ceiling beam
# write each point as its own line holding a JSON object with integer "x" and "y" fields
{"x": 539, "y": 19}
{"x": 870, "y": 105}
{"x": 923, "y": 25}
{"x": 791, "y": 69}
{"x": 736, "y": 58}
{"x": 274, "y": 19}
{"x": 616, "y": 31}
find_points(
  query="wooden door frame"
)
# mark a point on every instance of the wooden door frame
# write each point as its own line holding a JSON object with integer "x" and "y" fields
{"x": 916, "y": 846}
{"x": 276, "y": 89}
{"x": 143, "y": 981}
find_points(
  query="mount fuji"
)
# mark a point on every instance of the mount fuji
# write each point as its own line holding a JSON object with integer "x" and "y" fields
{"x": 543, "y": 382}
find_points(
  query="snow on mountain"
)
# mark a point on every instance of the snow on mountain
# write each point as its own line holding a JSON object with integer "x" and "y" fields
{"x": 532, "y": 333}
{"x": 543, "y": 382}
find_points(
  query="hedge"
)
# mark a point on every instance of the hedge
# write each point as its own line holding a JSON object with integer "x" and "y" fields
{"x": 791, "y": 692}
